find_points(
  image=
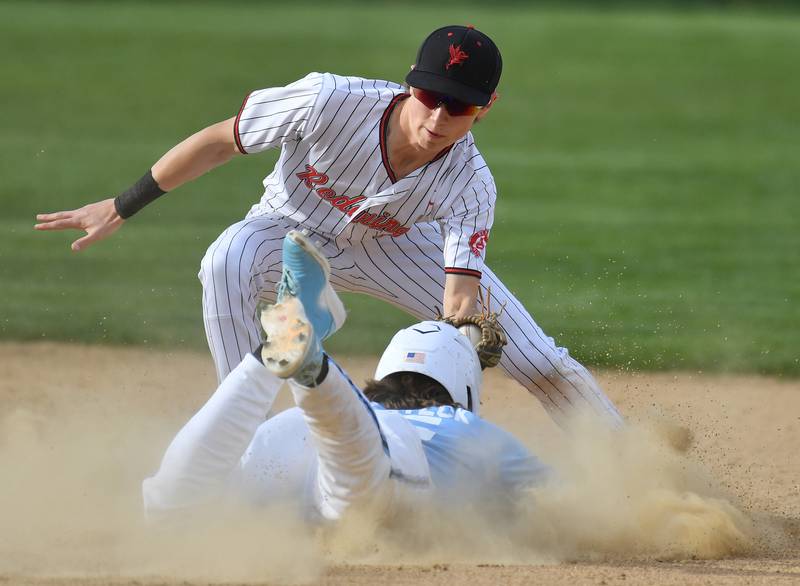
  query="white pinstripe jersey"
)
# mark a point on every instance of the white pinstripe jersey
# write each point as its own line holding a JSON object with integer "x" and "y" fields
{"x": 333, "y": 175}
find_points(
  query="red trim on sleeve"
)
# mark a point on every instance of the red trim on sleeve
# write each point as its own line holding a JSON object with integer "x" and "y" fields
{"x": 236, "y": 126}
{"x": 460, "y": 271}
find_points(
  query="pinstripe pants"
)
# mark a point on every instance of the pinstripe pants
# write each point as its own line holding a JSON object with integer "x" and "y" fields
{"x": 244, "y": 264}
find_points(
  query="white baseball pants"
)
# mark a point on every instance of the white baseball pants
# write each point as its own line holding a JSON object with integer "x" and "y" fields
{"x": 328, "y": 455}
{"x": 243, "y": 265}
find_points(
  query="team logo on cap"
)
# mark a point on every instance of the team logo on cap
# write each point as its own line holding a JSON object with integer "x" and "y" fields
{"x": 457, "y": 56}
{"x": 477, "y": 242}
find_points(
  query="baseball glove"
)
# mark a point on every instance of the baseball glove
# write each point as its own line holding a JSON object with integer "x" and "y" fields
{"x": 485, "y": 333}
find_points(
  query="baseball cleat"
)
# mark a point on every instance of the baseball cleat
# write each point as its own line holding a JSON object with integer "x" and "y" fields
{"x": 291, "y": 348}
{"x": 305, "y": 276}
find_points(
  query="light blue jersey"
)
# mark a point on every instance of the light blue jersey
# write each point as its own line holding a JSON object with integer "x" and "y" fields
{"x": 471, "y": 458}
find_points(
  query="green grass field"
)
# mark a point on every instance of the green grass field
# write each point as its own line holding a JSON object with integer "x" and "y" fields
{"x": 648, "y": 165}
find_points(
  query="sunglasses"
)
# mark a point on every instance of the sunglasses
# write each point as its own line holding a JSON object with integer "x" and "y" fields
{"x": 433, "y": 100}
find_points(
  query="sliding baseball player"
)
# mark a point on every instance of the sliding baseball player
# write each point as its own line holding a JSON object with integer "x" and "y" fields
{"x": 336, "y": 452}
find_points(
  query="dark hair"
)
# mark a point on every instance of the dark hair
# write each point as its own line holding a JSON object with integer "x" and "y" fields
{"x": 408, "y": 390}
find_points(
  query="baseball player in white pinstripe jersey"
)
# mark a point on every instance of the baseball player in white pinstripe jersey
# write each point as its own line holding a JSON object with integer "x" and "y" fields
{"x": 390, "y": 184}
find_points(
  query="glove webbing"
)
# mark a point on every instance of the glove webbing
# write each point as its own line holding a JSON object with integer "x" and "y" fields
{"x": 493, "y": 337}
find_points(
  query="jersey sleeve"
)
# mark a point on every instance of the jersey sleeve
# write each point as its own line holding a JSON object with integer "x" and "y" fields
{"x": 466, "y": 229}
{"x": 271, "y": 117}
{"x": 519, "y": 469}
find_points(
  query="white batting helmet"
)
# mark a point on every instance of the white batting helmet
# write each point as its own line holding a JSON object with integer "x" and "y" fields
{"x": 438, "y": 350}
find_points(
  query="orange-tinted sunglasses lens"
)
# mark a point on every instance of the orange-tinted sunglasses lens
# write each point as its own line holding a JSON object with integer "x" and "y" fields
{"x": 433, "y": 100}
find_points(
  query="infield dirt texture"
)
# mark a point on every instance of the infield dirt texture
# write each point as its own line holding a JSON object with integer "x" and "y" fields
{"x": 648, "y": 216}
{"x": 713, "y": 473}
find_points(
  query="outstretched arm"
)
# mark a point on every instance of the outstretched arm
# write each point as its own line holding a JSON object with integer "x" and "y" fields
{"x": 195, "y": 156}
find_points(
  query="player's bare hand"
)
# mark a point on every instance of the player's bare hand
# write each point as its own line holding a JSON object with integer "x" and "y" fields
{"x": 99, "y": 220}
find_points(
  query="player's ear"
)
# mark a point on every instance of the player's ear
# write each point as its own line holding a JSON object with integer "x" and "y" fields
{"x": 485, "y": 110}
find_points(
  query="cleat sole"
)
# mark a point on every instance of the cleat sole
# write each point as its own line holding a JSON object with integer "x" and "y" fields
{"x": 288, "y": 335}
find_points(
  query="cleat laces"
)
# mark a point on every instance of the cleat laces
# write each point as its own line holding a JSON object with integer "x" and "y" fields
{"x": 287, "y": 286}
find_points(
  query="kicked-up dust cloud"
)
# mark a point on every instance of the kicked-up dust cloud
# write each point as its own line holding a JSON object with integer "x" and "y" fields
{"x": 70, "y": 505}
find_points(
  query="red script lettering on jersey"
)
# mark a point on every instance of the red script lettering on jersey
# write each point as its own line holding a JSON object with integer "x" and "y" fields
{"x": 384, "y": 223}
{"x": 311, "y": 177}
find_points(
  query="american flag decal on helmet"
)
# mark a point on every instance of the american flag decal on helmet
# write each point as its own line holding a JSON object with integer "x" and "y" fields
{"x": 415, "y": 357}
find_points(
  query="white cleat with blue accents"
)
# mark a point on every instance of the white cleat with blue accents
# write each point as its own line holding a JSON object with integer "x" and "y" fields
{"x": 307, "y": 311}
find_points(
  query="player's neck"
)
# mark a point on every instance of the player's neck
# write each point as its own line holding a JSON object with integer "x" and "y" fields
{"x": 404, "y": 150}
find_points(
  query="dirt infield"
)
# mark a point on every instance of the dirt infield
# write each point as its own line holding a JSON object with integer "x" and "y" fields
{"x": 704, "y": 489}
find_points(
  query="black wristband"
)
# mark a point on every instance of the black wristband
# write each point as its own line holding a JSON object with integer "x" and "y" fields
{"x": 137, "y": 196}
